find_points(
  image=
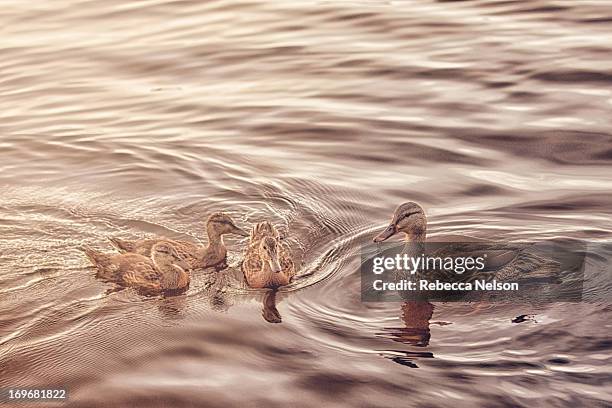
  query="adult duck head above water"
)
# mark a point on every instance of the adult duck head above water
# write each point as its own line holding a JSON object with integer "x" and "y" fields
{"x": 408, "y": 218}
{"x": 213, "y": 254}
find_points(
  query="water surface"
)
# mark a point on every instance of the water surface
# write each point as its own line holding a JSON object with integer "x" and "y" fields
{"x": 141, "y": 118}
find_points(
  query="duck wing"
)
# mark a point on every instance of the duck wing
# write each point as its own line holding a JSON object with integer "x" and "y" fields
{"x": 143, "y": 277}
{"x": 106, "y": 264}
{"x": 176, "y": 280}
{"x": 144, "y": 246}
{"x": 497, "y": 255}
{"x": 138, "y": 246}
{"x": 530, "y": 267}
{"x": 286, "y": 260}
{"x": 96, "y": 257}
{"x": 251, "y": 268}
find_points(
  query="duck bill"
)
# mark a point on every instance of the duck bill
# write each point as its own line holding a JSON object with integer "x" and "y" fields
{"x": 239, "y": 231}
{"x": 274, "y": 265}
{"x": 386, "y": 234}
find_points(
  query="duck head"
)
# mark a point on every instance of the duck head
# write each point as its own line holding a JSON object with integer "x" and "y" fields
{"x": 163, "y": 253}
{"x": 220, "y": 223}
{"x": 408, "y": 218}
{"x": 269, "y": 253}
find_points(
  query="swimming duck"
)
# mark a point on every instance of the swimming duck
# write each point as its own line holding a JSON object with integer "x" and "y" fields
{"x": 506, "y": 264}
{"x": 267, "y": 262}
{"x": 197, "y": 256}
{"x": 409, "y": 218}
{"x": 164, "y": 271}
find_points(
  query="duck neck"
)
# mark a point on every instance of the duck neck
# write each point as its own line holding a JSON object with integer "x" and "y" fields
{"x": 270, "y": 278}
{"x": 215, "y": 250}
{"x": 215, "y": 239}
{"x": 416, "y": 236}
{"x": 168, "y": 270}
{"x": 170, "y": 273}
{"x": 414, "y": 244}
{"x": 417, "y": 231}
{"x": 265, "y": 268}
{"x": 162, "y": 264}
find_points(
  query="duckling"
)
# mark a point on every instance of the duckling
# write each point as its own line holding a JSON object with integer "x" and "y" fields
{"x": 267, "y": 262}
{"x": 165, "y": 271}
{"x": 197, "y": 256}
{"x": 409, "y": 218}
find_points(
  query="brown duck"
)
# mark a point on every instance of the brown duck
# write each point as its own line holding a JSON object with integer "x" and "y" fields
{"x": 164, "y": 271}
{"x": 409, "y": 218}
{"x": 267, "y": 262}
{"x": 197, "y": 256}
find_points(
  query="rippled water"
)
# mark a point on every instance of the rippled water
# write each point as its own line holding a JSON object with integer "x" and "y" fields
{"x": 133, "y": 119}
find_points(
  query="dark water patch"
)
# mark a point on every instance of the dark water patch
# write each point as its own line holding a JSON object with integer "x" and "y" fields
{"x": 524, "y": 95}
{"x": 567, "y": 339}
{"x": 353, "y": 16}
{"x": 560, "y": 147}
{"x": 559, "y": 361}
{"x": 593, "y": 379}
{"x": 461, "y": 377}
{"x": 404, "y": 361}
{"x": 596, "y": 20}
{"x": 547, "y": 10}
{"x": 331, "y": 384}
{"x": 590, "y": 202}
{"x": 596, "y": 233}
{"x": 485, "y": 190}
{"x": 574, "y": 76}
{"x": 499, "y": 84}
{"x": 604, "y": 155}
{"x": 524, "y": 318}
{"x": 457, "y": 108}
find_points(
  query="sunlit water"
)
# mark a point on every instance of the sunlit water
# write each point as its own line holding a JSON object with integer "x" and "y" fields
{"x": 133, "y": 119}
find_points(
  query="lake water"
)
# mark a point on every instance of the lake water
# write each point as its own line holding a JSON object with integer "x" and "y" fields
{"x": 141, "y": 118}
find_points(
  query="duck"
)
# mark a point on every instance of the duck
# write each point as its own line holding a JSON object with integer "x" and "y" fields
{"x": 410, "y": 220}
{"x": 165, "y": 271}
{"x": 267, "y": 261}
{"x": 504, "y": 262}
{"x": 197, "y": 256}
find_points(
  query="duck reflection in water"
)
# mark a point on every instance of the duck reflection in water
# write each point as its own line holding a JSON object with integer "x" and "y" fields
{"x": 172, "y": 307}
{"x": 269, "y": 312}
{"x": 220, "y": 290}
